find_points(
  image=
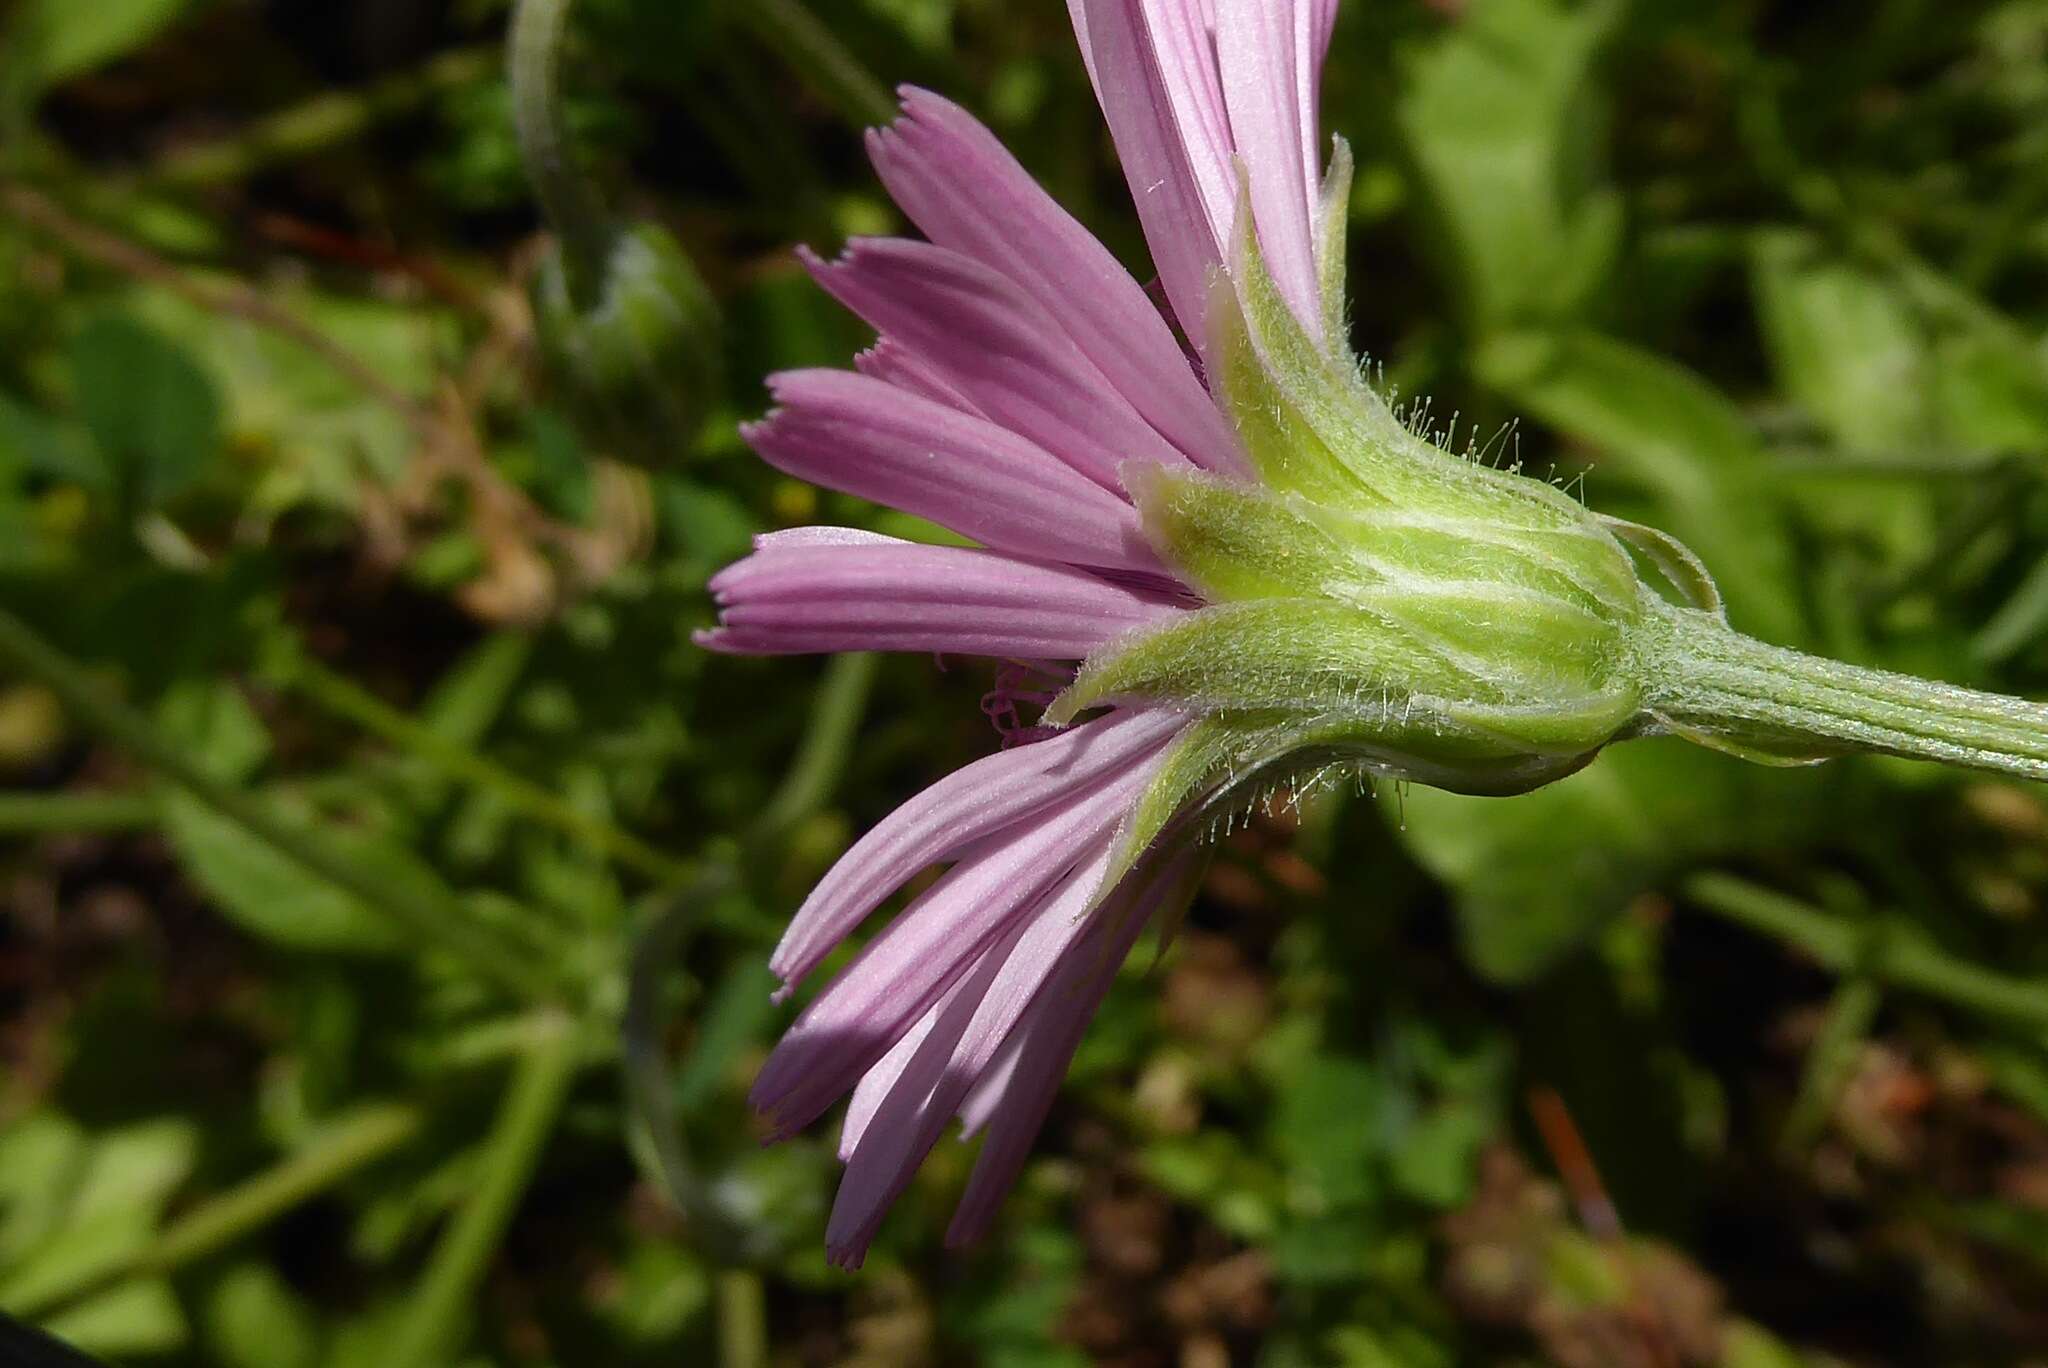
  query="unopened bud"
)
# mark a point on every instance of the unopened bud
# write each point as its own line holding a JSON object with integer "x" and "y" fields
{"x": 635, "y": 350}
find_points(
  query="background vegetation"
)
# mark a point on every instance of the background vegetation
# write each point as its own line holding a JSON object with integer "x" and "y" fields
{"x": 353, "y": 751}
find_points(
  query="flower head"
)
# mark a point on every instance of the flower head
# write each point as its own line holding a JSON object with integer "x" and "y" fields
{"x": 1209, "y": 552}
{"x": 1023, "y": 386}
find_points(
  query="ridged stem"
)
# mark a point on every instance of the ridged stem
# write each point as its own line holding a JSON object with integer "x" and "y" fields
{"x": 1701, "y": 677}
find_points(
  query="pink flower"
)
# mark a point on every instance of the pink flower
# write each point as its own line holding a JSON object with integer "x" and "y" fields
{"x": 1020, "y": 373}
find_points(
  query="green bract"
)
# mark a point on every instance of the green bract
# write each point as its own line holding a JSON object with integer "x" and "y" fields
{"x": 1375, "y": 603}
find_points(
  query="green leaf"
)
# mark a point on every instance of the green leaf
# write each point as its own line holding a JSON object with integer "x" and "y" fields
{"x": 1749, "y": 1345}
{"x": 134, "y": 1318}
{"x": 467, "y": 701}
{"x": 738, "y": 1014}
{"x": 1846, "y": 343}
{"x": 41, "y": 1157}
{"x": 109, "y": 1216}
{"x": 254, "y": 1320}
{"x": 708, "y": 525}
{"x": 36, "y": 445}
{"x": 52, "y": 41}
{"x": 1500, "y": 122}
{"x": 660, "y": 1290}
{"x": 2020, "y": 622}
{"x": 211, "y": 719}
{"x": 271, "y": 896}
{"x": 137, "y": 1168}
{"x": 1990, "y": 394}
{"x": 1537, "y": 875}
{"x": 1323, "y": 1126}
{"x": 151, "y": 408}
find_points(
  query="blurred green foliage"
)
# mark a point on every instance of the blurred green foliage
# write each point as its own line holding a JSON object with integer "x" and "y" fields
{"x": 351, "y": 739}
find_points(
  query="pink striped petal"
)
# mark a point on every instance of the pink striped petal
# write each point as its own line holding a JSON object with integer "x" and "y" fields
{"x": 875, "y": 1085}
{"x": 1149, "y": 94}
{"x": 824, "y": 536}
{"x": 969, "y": 805}
{"x": 972, "y": 1026}
{"x": 891, "y": 363}
{"x": 946, "y": 599}
{"x": 962, "y": 187}
{"x": 906, "y": 968}
{"x": 1077, "y": 12}
{"x": 1316, "y": 33}
{"x": 1015, "y": 1090}
{"x": 986, "y": 339}
{"x": 860, "y": 436}
{"x": 1194, "y": 88}
{"x": 1269, "y": 84}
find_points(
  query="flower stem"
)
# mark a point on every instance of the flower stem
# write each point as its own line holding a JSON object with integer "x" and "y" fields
{"x": 1896, "y": 960}
{"x": 23, "y": 814}
{"x": 836, "y": 712}
{"x": 347, "y": 699}
{"x": 435, "y": 1325}
{"x": 818, "y": 56}
{"x": 572, "y": 206}
{"x": 1704, "y": 680}
{"x": 336, "y": 1154}
{"x": 324, "y": 121}
{"x": 742, "y": 1319}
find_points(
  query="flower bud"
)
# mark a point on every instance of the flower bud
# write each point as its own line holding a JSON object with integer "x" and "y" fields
{"x": 1370, "y": 599}
{"x": 635, "y": 350}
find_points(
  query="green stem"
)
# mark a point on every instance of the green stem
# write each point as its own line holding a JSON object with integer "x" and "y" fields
{"x": 435, "y": 921}
{"x": 1845, "y": 948}
{"x": 343, "y": 1149}
{"x": 818, "y": 56}
{"x": 572, "y": 206}
{"x": 835, "y": 719}
{"x": 1831, "y": 1059}
{"x": 1705, "y": 680}
{"x": 349, "y": 700}
{"x": 436, "y": 1323}
{"x": 319, "y": 123}
{"x": 742, "y": 1319}
{"x": 650, "y": 1094}
{"x": 820, "y": 758}
{"x": 34, "y": 814}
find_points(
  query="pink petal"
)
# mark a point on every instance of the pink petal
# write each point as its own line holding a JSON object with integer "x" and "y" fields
{"x": 824, "y": 536}
{"x": 908, "y": 597}
{"x": 1015, "y": 1090}
{"x": 1151, "y": 94}
{"x": 986, "y": 339}
{"x": 973, "y": 803}
{"x": 1316, "y": 35}
{"x": 959, "y": 184}
{"x": 972, "y": 1025}
{"x": 906, "y": 968}
{"x": 1077, "y": 12}
{"x": 1194, "y": 88}
{"x": 893, "y": 364}
{"x": 875, "y": 1085}
{"x": 1269, "y": 81}
{"x": 860, "y": 436}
